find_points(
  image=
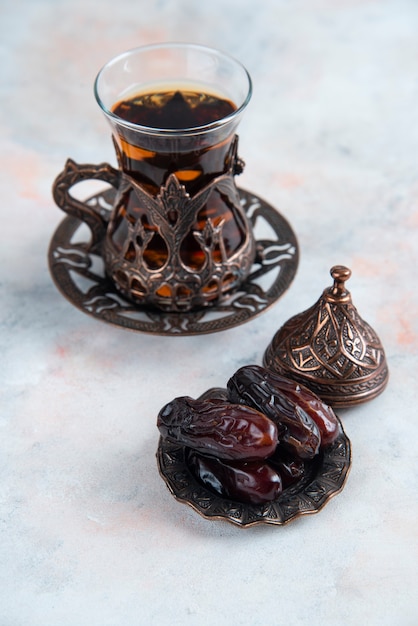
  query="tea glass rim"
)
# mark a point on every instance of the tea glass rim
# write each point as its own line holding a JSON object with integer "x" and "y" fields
{"x": 173, "y": 132}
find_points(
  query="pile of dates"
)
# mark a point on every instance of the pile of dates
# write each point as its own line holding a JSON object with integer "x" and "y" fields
{"x": 256, "y": 441}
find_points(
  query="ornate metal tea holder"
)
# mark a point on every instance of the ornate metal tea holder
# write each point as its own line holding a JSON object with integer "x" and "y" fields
{"x": 77, "y": 268}
{"x": 175, "y": 247}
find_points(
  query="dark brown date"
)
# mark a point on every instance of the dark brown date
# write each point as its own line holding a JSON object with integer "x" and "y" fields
{"x": 322, "y": 414}
{"x": 253, "y": 482}
{"x": 252, "y": 385}
{"x": 290, "y": 468}
{"x": 218, "y": 428}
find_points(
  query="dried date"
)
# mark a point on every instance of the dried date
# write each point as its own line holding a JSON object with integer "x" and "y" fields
{"x": 218, "y": 428}
{"x": 290, "y": 468}
{"x": 252, "y": 386}
{"x": 248, "y": 482}
{"x": 322, "y": 414}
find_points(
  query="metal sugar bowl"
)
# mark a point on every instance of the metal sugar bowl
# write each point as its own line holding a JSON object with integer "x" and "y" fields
{"x": 331, "y": 349}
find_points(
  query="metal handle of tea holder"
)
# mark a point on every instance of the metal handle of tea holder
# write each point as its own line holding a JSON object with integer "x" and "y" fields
{"x": 74, "y": 173}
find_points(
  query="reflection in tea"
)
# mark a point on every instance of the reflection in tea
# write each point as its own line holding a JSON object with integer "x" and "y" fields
{"x": 151, "y": 161}
{"x": 175, "y": 109}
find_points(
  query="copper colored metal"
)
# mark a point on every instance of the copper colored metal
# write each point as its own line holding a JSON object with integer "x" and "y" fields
{"x": 78, "y": 271}
{"x": 331, "y": 349}
{"x": 165, "y": 279}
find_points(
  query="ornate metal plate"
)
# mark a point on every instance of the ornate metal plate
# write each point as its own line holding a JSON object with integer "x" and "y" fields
{"x": 80, "y": 276}
{"x": 325, "y": 478}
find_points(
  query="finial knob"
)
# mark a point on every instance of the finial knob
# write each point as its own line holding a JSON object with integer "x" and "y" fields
{"x": 338, "y": 291}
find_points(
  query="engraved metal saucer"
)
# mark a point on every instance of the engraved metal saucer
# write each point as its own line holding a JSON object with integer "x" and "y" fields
{"x": 80, "y": 277}
{"x": 325, "y": 478}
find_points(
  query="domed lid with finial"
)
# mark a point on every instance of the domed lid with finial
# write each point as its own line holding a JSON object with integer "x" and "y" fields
{"x": 331, "y": 349}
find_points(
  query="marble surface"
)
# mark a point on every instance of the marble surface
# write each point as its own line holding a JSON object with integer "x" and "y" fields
{"x": 89, "y": 534}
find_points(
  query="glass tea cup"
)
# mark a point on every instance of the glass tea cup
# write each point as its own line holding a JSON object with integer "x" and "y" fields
{"x": 177, "y": 237}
